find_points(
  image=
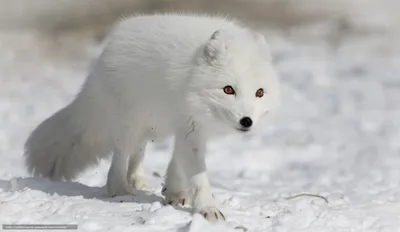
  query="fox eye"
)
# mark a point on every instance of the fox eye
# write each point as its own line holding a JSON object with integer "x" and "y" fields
{"x": 229, "y": 90}
{"x": 260, "y": 93}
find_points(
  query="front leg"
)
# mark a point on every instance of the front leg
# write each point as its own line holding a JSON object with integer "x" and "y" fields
{"x": 189, "y": 156}
{"x": 176, "y": 189}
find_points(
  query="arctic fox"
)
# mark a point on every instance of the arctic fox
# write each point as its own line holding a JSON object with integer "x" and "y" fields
{"x": 188, "y": 76}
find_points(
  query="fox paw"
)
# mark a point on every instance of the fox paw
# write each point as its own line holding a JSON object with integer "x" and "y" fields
{"x": 176, "y": 199}
{"x": 212, "y": 214}
{"x": 139, "y": 182}
{"x": 118, "y": 190}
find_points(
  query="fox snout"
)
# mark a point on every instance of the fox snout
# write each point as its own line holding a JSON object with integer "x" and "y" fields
{"x": 245, "y": 123}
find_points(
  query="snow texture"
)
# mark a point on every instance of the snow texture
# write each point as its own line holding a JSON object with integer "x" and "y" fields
{"x": 336, "y": 135}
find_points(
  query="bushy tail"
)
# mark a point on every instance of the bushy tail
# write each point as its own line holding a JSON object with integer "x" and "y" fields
{"x": 62, "y": 146}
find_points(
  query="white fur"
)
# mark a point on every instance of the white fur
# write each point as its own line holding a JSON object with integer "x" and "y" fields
{"x": 158, "y": 76}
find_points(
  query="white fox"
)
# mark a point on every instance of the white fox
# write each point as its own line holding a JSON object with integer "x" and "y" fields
{"x": 188, "y": 76}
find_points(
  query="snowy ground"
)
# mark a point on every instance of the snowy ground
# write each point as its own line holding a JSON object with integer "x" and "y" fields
{"x": 336, "y": 135}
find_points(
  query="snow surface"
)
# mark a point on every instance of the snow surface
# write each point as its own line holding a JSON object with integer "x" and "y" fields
{"x": 336, "y": 135}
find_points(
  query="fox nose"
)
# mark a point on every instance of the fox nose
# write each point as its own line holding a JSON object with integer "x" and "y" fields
{"x": 246, "y": 122}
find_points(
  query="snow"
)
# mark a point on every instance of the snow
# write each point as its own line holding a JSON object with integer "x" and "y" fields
{"x": 336, "y": 135}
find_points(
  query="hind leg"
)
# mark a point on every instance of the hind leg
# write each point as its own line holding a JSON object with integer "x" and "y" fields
{"x": 135, "y": 174}
{"x": 124, "y": 147}
{"x": 117, "y": 184}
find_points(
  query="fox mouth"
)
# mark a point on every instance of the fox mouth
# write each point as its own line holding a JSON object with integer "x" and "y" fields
{"x": 243, "y": 129}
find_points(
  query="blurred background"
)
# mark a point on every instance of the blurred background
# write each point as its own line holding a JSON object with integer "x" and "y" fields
{"x": 338, "y": 61}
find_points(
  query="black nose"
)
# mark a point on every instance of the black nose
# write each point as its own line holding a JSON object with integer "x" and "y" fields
{"x": 246, "y": 122}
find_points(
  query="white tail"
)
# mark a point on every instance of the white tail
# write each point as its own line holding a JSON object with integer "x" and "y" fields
{"x": 63, "y": 145}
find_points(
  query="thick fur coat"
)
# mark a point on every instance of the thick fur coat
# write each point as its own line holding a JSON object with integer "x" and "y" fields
{"x": 188, "y": 76}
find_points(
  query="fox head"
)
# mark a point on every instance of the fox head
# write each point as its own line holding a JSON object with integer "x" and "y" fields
{"x": 234, "y": 83}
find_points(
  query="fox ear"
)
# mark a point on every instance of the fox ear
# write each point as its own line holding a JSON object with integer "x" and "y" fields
{"x": 263, "y": 43}
{"x": 215, "y": 46}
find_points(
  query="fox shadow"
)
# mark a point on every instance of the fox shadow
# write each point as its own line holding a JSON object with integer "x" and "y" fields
{"x": 74, "y": 189}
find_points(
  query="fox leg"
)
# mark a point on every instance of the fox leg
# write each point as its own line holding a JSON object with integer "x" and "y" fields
{"x": 126, "y": 165}
{"x": 188, "y": 172}
{"x": 135, "y": 174}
